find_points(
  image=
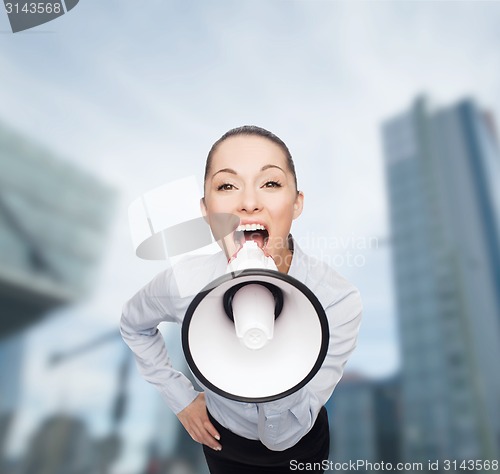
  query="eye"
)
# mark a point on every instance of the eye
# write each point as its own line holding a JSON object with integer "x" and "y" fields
{"x": 225, "y": 187}
{"x": 272, "y": 184}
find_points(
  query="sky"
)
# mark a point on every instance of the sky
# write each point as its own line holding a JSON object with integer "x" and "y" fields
{"x": 136, "y": 93}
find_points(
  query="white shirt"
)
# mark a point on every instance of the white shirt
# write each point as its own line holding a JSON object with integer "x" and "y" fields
{"x": 279, "y": 424}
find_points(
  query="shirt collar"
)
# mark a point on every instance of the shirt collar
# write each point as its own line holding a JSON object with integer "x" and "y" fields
{"x": 297, "y": 268}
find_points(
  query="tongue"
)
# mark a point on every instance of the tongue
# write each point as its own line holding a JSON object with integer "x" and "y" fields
{"x": 257, "y": 237}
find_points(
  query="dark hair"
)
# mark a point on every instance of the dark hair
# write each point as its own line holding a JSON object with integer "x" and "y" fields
{"x": 256, "y": 131}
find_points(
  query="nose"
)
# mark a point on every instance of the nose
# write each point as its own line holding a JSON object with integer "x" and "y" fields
{"x": 249, "y": 201}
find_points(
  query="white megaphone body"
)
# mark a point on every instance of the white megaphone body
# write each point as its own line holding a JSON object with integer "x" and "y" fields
{"x": 255, "y": 334}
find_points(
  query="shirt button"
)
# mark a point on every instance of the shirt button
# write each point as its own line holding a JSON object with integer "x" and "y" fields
{"x": 270, "y": 426}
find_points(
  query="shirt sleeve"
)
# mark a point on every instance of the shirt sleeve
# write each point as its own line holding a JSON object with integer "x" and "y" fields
{"x": 283, "y": 422}
{"x": 140, "y": 318}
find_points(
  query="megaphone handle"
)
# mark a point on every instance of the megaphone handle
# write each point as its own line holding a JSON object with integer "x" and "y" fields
{"x": 227, "y": 299}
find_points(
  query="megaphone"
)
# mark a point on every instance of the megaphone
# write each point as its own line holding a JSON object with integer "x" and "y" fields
{"x": 255, "y": 334}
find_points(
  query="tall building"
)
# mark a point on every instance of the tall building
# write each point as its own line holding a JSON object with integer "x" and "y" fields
{"x": 443, "y": 176}
{"x": 54, "y": 219}
{"x": 11, "y": 350}
{"x": 62, "y": 445}
{"x": 364, "y": 420}
{"x": 351, "y": 413}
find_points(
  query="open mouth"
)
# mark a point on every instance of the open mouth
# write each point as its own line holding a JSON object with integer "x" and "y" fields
{"x": 255, "y": 232}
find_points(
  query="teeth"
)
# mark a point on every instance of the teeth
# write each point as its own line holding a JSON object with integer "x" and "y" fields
{"x": 242, "y": 228}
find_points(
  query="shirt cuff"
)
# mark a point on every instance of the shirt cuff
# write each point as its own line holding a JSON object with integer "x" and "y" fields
{"x": 179, "y": 394}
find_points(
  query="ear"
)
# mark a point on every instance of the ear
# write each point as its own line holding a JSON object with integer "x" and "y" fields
{"x": 298, "y": 205}
{"x": 203, "y": 208}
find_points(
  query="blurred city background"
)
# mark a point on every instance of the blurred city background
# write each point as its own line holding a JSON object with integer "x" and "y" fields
{"x": 389, "y": 110}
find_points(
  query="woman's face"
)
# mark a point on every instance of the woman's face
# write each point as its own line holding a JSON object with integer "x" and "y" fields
{"x": 249, "y": 178}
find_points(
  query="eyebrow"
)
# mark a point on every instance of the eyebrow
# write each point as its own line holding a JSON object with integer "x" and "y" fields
{"x": 229, "y": 170}
{"x": 264, "y": 168}
{"x": 224, "y": 170}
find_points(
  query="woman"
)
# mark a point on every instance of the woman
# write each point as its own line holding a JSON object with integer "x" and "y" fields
{"x": 249, "y": 173}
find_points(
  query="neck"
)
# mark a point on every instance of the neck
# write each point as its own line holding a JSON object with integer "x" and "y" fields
{"x": 284, "y": 260}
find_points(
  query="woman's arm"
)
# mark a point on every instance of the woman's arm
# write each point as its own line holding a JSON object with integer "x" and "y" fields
{"x": 139, "y": 328}
{"x": 140, "y": 318}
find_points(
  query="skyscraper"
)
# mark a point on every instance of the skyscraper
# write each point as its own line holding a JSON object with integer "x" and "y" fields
{"x": 443, "y": 176}
{"x": 364, "y": 420}
{"x": 54, "y": 220}
{"x": 352, "y": 420}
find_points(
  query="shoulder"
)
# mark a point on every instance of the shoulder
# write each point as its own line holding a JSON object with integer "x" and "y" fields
{"x": 190, "y": 274}
{"x": 329, "y": 286}
{"x": 171, "y": 290}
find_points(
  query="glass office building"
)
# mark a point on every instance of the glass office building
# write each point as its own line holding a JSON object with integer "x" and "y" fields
{"x": 54, "y": 219}
{"x": 364, "y": 421}
{"x": 443, "y": 177}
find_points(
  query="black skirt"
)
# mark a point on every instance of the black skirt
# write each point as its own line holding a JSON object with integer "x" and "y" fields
{"x": 245, "y": 456}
